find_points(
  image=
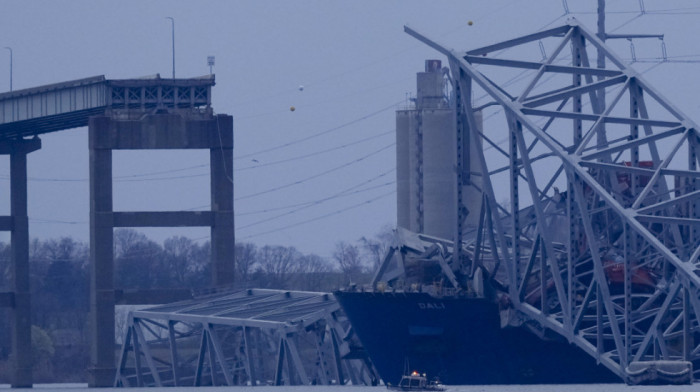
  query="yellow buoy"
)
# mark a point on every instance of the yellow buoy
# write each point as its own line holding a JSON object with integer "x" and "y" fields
{"x": 470, "y": 23}
{"x": 292, "y": 108}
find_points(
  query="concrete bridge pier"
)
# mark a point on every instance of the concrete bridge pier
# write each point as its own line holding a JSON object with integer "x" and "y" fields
{"x": 176, "y": 130}
{"x": 18, "y": 298}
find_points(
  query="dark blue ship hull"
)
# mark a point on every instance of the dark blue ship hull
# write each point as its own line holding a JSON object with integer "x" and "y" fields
{"x": 460, "y": 341}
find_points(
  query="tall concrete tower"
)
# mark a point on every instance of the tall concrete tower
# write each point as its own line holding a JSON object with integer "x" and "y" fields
{"x": 426, "y": 160}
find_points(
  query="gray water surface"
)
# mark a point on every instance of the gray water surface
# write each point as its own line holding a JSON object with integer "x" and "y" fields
{"x": 451, "y": 388}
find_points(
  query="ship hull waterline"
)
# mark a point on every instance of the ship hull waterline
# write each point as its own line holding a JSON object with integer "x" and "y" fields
{"x": 459, "y": 340}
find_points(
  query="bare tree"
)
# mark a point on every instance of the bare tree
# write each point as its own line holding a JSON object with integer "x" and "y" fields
{"x": 178, "y": 259}
{"x": 246, "y": 261}
{"x": 314, "y": 272}
{"x": 125, "y": 240}
{"x": 277, "y": 264}
{"x": 200, "y": 265}
{"x": 348, "y": 258}
{"x": 375, "y": 249}
{"x": 137, "y": 260}
{"x": 65, "y": 249}
{"x": 5, "y": 255}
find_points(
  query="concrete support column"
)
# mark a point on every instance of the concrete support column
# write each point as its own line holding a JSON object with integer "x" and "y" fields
{"x": 22, "y": 322}
{"x": 222, "y": 229}
{"x": 18, "y": 299}
{"x": 102, "y": 358}
{"x": 151, "y": 132}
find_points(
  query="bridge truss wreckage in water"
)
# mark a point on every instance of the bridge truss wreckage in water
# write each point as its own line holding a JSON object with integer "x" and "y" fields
{"x": 610, "y": 261}
{"x": 247, "y": 337}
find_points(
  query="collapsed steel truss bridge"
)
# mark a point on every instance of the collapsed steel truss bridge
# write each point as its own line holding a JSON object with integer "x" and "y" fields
{"x": 599, "y": 239}
{"x": 248, "y": 337}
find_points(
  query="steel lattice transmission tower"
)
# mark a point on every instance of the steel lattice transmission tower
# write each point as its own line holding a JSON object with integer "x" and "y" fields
{"x": 599, "y": 239}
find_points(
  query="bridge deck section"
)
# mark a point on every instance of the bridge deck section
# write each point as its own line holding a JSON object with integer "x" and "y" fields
{"x": 66, "y": 105}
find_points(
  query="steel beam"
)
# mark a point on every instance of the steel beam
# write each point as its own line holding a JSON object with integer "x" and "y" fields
{"x": 559, "y": 95}
{"x": 219, "y": 352}
{"x": 633, "y": 143}
{"x": 199, "y": 370}
{"x": 147, "y": 354}
{"x": 127, "y": 345}
{"x": 571, "y": 161}
{"x": 296, "y": 361}
{"x": 249, "y": 356}
{"x": 595, "y": 117}
{"x": 513, "y": 42}
{"x": 610, "y": 206}
{"x": 545, "y": 67}
{"x": 174, "y": 358}
{"x": 227, "y": 345}
{"x": 279, "y": 369}
{"x": 640, "y": 170}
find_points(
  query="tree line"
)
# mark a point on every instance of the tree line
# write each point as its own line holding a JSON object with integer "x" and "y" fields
{"x": 59, "y": 279}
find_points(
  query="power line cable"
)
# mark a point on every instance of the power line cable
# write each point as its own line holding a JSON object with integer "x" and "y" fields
{"x": 56, "y": 221}
{"x": 369, "y": 64}
{"x": 162, "y": 172}
{"x": 320, "y": 217}
{"x": 513, "y": 80}
{"x": 296, "y": 158}
{"x": 141, "y": 176}
{"x": 325, "y": 101}
{"x": 318, "y": 202}
{"x": 339, "y": 194}
{"x": 325, "y": 132}
{"x": 356, "y": 205}
{"x": 314, "y": 153}
{"x": 181, "y": 177}
{"x": 138, "y": 175}
{"x": 326, "y": 172}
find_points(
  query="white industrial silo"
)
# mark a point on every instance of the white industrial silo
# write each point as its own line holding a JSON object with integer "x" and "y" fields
{"x": 439, "y": 208}
{"x": 409, "y": 178}
{"x": 426, "y": 161}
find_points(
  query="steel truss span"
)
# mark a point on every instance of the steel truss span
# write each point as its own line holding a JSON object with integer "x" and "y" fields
{"x": 248, "y": 337}
{"x": 602, "y": 173}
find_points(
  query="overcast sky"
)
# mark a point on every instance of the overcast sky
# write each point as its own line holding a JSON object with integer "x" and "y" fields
{"x": 309, "y": 178}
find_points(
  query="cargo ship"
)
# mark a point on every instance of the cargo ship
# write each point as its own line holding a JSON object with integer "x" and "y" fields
{"x": 430, "y": 304}
{"x": 459, "y": 340}
{"x": 468, "y": 335}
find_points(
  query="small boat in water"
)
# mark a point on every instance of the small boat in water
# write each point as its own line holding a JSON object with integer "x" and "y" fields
{"x": 416, "y": 382}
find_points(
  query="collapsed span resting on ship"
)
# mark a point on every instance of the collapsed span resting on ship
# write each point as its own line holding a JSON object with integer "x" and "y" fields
{"x": 554, "y": 241}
